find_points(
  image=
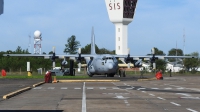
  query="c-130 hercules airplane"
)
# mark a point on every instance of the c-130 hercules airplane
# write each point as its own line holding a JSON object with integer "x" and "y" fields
{"x": 99, "y": 64}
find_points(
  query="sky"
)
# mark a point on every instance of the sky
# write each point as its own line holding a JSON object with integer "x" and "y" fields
{"x": 156, "y": 23}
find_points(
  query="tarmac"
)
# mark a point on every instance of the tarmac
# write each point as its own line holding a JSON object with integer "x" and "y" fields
{"x": 173, "y": 94}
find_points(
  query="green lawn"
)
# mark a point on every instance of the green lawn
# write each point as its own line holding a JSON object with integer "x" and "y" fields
{"x": 24, "y": 75}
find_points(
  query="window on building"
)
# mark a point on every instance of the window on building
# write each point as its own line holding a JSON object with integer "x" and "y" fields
{"x": 118, "y": 29}
{"x": 118, "y": 38}
{"x": 118, "y": 47}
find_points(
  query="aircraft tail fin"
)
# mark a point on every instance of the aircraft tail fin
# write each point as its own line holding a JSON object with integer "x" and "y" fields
{"x": 93, "y": 42}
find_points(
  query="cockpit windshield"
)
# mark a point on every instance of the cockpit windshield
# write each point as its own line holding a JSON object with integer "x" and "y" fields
{"x": 107, "y": 58}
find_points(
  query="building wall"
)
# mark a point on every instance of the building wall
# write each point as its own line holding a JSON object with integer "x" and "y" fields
{"x": 1, "y": 6}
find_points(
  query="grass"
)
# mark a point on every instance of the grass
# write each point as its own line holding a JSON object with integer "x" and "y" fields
{"x": 24, "y": 75}
{"x": 35, "y": 75}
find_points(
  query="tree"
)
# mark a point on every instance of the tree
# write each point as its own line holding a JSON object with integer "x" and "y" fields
{"x": 158, "y": 52}
{"x": 192, "y": 63}
{"x": 174, "y": 52}
{"x": 160, "y": 64}
{"x": 72, "y": 45}
{"x": 105, "y": 51}
{"x": 51, "y": 52}
{"x": 87, "y": 49}
{"x": 18, "y": 50}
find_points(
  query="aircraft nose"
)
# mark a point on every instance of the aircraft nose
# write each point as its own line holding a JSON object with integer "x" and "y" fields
{"x": 110, "y": 66}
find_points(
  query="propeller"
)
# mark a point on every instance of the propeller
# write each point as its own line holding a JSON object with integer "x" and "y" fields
{"x": 136, "y": 61}
{"x": 79, "y": 59}
{"x": 128, "y": 59}
{"x": 54, "y": 57}
{"x": 64, "y": 62}
{"x": 153, "y": 58}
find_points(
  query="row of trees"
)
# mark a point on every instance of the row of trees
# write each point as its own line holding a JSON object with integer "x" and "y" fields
{"x": 189, "y": 63}
{"x": 71, "y": 47}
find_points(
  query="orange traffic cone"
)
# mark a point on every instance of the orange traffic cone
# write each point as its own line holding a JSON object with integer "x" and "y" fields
{"x": 54, "y": 80}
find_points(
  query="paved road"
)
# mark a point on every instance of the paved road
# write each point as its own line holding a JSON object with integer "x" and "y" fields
{"x": 174, "y": 94}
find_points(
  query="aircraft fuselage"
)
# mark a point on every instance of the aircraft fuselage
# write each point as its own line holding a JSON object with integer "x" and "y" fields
{"x": 102, "y": 64}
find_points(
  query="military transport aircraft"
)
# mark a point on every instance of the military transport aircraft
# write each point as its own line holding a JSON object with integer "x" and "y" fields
{"x": 100, "y": 64}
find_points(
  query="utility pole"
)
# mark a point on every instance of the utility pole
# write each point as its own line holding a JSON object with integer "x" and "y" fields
{"x": 29, "y": 44}
{"x": 176, "y": 51}
{"x": 184, "y": 41}
{"x": 183, "y": 46}
{"x": 1, "y": 6}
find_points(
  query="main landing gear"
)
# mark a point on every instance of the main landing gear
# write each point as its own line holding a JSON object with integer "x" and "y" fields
{"x": 122, "y": 73}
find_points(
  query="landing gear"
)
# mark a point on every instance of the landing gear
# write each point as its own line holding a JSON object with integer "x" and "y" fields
{"x": 110, "y": 75}
{"x": 122, "y": 73}
{"x": 89, "y": 74}
{"x": 119, "y": 75}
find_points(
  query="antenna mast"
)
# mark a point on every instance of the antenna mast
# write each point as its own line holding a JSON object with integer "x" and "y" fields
{"x": 29, "y": 45}
{"x": 184, "y": 41}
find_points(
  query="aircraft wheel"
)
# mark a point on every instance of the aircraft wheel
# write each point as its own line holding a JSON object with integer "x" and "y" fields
{"x": 89, "y": 74}
{"x": 107, "y": 75}
{"x": 124, "y": 74}
{"x": 65, "y": 74}
{"x": 74, "y": 72}
{"x": 120, "y": 74}
{"x": 111, "y": 75}
{"x": 53, "y": 74}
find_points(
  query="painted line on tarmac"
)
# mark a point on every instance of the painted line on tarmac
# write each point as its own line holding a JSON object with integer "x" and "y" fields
{"x": 152, "y": 94}
{"x": 147, "y": 79}
{"x": 90, "y": 88}
{"x": 196, "y": 98}
{"x": 63, "y": 88}
{"x": 184, "y": 94}
{"x": 102, "y": 87}
{"x": 51, "y": 88}
{"x": 84, "y": 99}
{"x": 37, "y": 88}
{"x": 175, "y": 104}
{"x": 161, "y": 98}
{"x": 140, "y": 88}
{"x": 16, "y": 92}
{"x": 89, "y": 80}
{"x": 168, "y": 88}
{"x": 191, "y": 110}
{"x": 115, "y": 88}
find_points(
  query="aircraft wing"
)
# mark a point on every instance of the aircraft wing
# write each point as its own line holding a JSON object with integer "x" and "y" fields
{"x": 90, "y": 55}
{"x": 47, "y": 56}
{"x": 148, "y": 57}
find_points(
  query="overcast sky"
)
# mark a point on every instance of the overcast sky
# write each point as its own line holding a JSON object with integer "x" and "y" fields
{"x": 156, "y": 23}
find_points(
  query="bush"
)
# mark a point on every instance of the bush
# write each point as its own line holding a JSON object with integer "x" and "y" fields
{"x": 182, "y": 71}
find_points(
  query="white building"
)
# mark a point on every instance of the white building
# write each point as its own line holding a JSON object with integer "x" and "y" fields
{"x": 174, "y": 66}
{"x": 1, "y": 6}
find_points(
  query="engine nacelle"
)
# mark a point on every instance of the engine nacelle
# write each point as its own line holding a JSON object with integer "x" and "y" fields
{"x": 64, "y": 63}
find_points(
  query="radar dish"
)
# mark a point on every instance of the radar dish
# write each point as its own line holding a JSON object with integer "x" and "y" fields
{"x": 37, "y": 34}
